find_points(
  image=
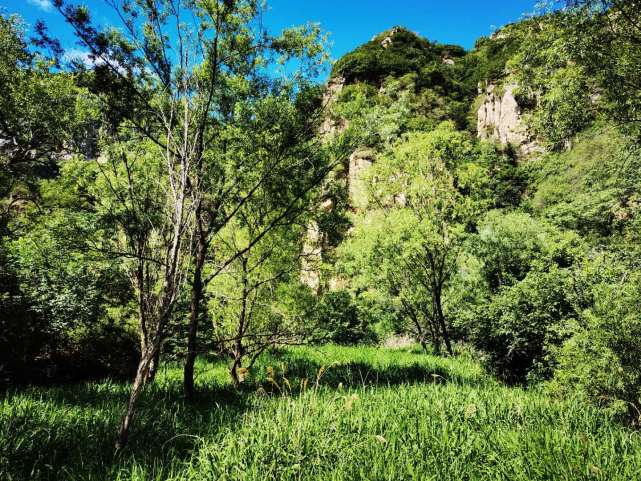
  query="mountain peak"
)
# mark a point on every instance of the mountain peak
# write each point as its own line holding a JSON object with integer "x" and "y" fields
{"x": 394, "y": 52}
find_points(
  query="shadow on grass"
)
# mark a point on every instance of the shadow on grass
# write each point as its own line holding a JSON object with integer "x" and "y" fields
{"x": 69, "y": 432}
{"x": 295, "y": 369}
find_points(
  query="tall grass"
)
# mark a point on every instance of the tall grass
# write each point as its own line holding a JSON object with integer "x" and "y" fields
{"x": 328, "y": 414}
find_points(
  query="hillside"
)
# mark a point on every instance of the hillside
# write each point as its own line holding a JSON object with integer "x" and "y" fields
{"x": 528, "y": 171}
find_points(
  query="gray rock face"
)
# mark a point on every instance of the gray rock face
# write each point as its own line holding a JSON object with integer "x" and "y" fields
{"x": 359, "y": 163}
{"x": 500, "y": 119}
{"x": 330, "y": 126}
{"x": 312, "y": 256}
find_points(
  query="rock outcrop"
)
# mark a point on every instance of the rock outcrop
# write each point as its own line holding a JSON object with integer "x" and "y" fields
{"x": 330, "y": 125}
{"x": 499, "y": 118}
{"x": 312, "y": 256}
{"x": 313, "y": 246}
{"x": 359, "y": 163}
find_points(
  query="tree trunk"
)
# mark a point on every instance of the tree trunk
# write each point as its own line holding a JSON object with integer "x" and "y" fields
{"x": 441, "y": 320}
{"x": 142, "y": 373}
{"x": 195, "y": 309}
{"x": 436, "y": 342}
{"x": 429, "y": 318}
{"x": 233, "y": 371}
{"x": 417, "y": 325}
{"x": 153, "y": 366}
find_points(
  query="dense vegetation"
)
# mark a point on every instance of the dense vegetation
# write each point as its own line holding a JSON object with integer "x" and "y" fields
{"x": 184, "y": 208}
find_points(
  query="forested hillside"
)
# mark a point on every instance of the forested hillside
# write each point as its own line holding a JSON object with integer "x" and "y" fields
{"x": 493, "y": 201}
{"x": 190, "y": 199}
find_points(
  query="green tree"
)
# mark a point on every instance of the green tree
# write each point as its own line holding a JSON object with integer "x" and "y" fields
{"x": 250, "y": 301}
{"x": 600, "y": 360}
{"x": 37, "y": 117}
{"x": 527, "y": 302}
{"x": 604, "y": 38}
{"x": 39, "y": 123}
{"x": 225, "y": 129}
{"x": 413, "y": 244}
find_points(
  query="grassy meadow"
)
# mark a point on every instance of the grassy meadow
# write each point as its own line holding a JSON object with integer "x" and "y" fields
{"x": 330, "y": 413}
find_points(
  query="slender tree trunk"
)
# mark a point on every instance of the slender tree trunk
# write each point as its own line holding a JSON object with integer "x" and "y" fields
{"x": 197, "y": 295}
{"x": 436, "y": 339}
{"x": 239, "y": 349}
{"x": 233, "y": 371}
{"x": 417, "y": 325}
{"x": 142, "y": 373}
{"x": 441, "y": 320}
{"x": 194, "y": 318}
{"x": 153, "y": 366}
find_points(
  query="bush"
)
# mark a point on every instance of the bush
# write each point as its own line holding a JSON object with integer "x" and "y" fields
{"x": 510, "y": 244}
{"x": 602, "y": 358}
{"x": 526, "y": 274}
{"x": 338, "y": 317}
{"x": 523, "y": 326}
{"x": 62, "y": 315}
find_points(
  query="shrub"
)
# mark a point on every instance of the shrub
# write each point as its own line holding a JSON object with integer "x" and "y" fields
{"x": 510, "y": 244}
{"x": 529, "y": 302}
{"x": 522, "y": 326}
{"x": 338, "y": 317}
{"x": 602, "y": 357}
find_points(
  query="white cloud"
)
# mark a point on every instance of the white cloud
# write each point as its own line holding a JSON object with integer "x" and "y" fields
{"x": 83, "y": 56}
{"x": 45, "y": 5}
{"x": 75, "y": 54}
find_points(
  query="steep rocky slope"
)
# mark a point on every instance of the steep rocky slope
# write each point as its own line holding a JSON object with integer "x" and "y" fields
{"x": 397, "y": 83}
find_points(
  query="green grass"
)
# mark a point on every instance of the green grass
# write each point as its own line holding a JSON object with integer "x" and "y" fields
{"x": 373, "y": 415}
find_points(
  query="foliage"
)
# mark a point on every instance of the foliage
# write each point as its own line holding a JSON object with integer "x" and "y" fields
{"x": 406, "y": 53}
{"x": 409, "y": 247}
{"x": 592, "y": 188}
{"x": 38, "y": 118}
{"x": 488, "y": 61}
{"x": 604, "y": 38}
{"x": 511, "y": 244}
{"x": 75, "y": 316}
{"x": 557, "y": 93}
{"x": 249, "y": 302}
{"x": 522, "y": 326}
{"x": 601, "y": 358}
{"x": 528, "y": 307}
{"x": 429, "y": 81}
{"x": 339, "y": 320}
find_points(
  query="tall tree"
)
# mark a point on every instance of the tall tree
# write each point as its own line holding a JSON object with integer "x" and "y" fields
{"x": 200, "y": 77}
{"x": 604, "y": 37}
{"x": 250, "y": 298}
{"x": 411, "y": 246}
{"x": 37, "y": 117}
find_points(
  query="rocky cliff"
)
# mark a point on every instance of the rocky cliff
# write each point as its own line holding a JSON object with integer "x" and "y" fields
{"x": 499, "y": 118}
{"x": 331, "y": 125}
{"x": 407, "y": 79}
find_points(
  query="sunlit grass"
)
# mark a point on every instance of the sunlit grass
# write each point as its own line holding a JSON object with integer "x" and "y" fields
{"x": 318, "y": 414}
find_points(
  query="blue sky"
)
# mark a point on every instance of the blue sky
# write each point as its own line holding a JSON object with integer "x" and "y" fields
{"x": 350, "y": 22}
